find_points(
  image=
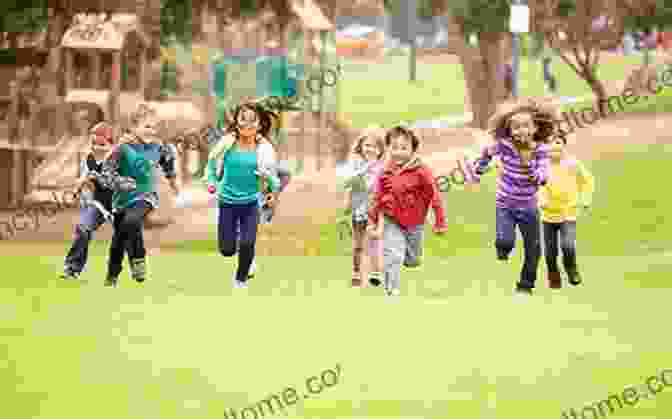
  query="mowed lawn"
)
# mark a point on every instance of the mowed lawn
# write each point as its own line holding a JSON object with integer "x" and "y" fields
{"x": 457, "y": 344}
{"x": 380, "y": 93}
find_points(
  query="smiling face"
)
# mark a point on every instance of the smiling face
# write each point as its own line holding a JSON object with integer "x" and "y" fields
{"x": 370, "y": 149}
{"x": 557, "y": 151}
{"x": 147, "y": 128}
{"x": 401, "y": 149}
{"x": 523, "y": 129}
{"x": 248, "y": 122}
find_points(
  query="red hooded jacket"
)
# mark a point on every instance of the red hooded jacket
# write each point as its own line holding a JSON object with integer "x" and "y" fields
{"x": 410, "y": 191}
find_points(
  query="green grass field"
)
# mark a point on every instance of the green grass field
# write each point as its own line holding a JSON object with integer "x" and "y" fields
{"x": 380, "y": 93}
{"x": 457, "y": 344}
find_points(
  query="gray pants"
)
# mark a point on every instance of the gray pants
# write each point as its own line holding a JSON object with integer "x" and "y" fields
{"x": 400, "y": 247}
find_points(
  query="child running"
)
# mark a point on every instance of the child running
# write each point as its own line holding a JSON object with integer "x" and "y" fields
{"x": 240, "y": 168}
{"x": 520, "y": 132}
{"x": 402, "y": 195}
{"x": 367, "y": 164}
{"x": 95, "y": 200}
{"x": 129, "y": 171}
{"x": 570, "y": 186}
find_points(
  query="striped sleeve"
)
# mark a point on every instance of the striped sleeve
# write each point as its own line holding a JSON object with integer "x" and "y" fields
{"x": 539, "y": 166}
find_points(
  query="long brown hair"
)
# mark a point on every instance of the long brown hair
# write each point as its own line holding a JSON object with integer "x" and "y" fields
{"x": 544, "y": 116}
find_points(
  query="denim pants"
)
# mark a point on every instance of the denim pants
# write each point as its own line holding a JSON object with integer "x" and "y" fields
{"x": 90, "y": 220}
{"x": 567, "y": 233}
{"x": 527, "y": 220}
{"x": 400, "y": 246}
{"x": 237, "y": 230}
{"x": 127, "y": 236}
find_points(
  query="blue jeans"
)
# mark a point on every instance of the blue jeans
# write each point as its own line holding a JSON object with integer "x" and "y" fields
{"x": 90, "y": 220}
{"x": 527, "y": 221}
{"x": 237, "y": 230}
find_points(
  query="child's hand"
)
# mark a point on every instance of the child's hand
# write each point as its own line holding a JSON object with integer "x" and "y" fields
{"x": 373, "y": 232}
{"x": 270, "y": 200}
{"x": 211, "y": 189}
{"x": 585, "y": 210}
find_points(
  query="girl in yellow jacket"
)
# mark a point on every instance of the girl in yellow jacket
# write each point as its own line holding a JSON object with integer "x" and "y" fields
{"x": 569, "y": 188}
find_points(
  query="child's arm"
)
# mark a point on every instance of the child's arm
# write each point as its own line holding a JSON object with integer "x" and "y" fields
{"x": 167, "y": 163}
{"x": 586, "y": 183}
{"x": 538, "y": 167}
{"x": 435, "y": 201}
{"x": 483, "y": 161}
{"x": 109, "y": 177}
{"x": 374, "y": 203}
{"x": 543, "y": 197}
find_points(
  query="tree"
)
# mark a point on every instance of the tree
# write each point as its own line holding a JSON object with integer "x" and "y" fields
{"x": 642, "y": 15}
{"x": 482, "y": 64}
{"x": 579, "y": 30}
{"x": 18, "y": 17}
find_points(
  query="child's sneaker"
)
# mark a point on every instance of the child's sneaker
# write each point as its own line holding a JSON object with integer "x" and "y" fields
{"x": 111, "y": 282}
{"x": 523, "y": 290}
{"x": 253, "y": 269}
{"x": 393, "y": 292}
{"x": 374, "y": 278}
{"x": 575, "y": 278}
{"x": 238, "y": 284}
{"x": 138, "y": 270}
{"x": 68, "y": 274}
{"x": 554, "y": 280}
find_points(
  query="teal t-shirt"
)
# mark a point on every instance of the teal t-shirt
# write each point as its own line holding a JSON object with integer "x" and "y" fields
{"x": 239, "y": 184}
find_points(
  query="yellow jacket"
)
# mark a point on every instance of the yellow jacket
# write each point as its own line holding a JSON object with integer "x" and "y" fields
{"x": 570, "y": 184}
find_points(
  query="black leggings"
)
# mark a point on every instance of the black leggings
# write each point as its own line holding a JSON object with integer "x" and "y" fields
{"x": 567, "y": 233}
{"x": 127, "y": 237}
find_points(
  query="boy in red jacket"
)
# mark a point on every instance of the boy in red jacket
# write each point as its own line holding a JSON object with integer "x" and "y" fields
{"x": 403, "y": 194}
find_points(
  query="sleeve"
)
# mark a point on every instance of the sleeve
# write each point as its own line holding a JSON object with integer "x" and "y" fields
{"x": 167, "y": 161}
{"x": 269, "y": 168}
{"x": 539, "y": 166}
{"x": 483, "y": 161}
{"x": 374, "y": 203}
{"x": 109, "y": 176}
{"x": 436, "y": 200}
{"x": 586, "y": 183}
{"x": 544, "y": 196}
{"x": 211, "y": 171}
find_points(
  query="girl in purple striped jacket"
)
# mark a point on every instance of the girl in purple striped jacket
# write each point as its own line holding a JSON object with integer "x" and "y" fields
{"x": 521, "y": 134}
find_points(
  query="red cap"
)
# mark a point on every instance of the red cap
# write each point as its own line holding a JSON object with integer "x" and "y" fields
{"x": 102, "y": 131}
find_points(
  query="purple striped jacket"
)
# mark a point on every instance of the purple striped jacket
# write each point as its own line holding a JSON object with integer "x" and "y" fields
{"x": 515, "y": 188}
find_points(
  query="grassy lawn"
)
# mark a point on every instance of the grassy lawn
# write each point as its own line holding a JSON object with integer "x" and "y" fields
{"x": 380, "y": 93}
{"x": 455, "y": 345}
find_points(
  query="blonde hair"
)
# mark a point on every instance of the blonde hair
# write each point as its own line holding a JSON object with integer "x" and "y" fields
{"x": 140, "y": 113}
{"x": 374, "y": 132}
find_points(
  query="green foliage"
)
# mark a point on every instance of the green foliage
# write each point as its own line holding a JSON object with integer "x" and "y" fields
{"x": 176, "y": 21}
{"x": 659, "y": 15}
{"x": 22, "y": 16}
{"x": 482, "y": 15}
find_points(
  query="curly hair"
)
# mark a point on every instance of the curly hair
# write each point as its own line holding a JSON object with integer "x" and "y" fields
{"x": 399, "y": 131}
{"x": 545, "y": 117}
{"x": 374, "y": 132}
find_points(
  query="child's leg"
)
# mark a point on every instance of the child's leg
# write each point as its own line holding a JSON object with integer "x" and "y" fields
{"x": 568, "y": 245}
{"x": 227, "y": 233}
{"x": 414, "y": 241}
{"x": 551, "y": 246}
{"x": 528, "y": 222}
{"x": 132, "y": 225}
{"x": 90, "y": 219}
{"x": 249, "y": 223}
{"x": 375, "y": 253}
{"x": 358, "y": 237}
{"x": 117, "y": 249}
{"x": 394, "y": 249}
{"x": 506, "y": 233}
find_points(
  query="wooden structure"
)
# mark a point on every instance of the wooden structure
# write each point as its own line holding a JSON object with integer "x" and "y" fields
{"x": 94, "y": 39}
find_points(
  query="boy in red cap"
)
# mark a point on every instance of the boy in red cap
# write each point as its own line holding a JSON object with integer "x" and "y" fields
{"x": 95, "y": 200}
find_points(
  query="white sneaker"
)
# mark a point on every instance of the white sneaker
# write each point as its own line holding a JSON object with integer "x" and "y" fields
{"x": 393, "y": 292}
{"x": 253, "y": 269}
{"x": 237, "y": 283}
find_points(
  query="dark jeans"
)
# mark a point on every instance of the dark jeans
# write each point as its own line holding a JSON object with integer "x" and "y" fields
{"x": 231, "y": 218}
{"x": 567, "y": 233}
{"x": 127, "y": 236}
{"x": 90, "y": 220}
{"x": 527, "y": 220}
